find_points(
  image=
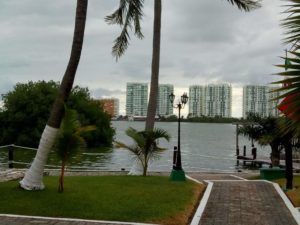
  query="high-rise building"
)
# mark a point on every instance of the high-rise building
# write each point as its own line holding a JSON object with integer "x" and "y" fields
{"x": 196, "y": 101}
{"x": 210, "y": 100}
{"x": 258, "y": 99}
{"x": 218, "y": 100}
{"x": 136, "y": 99}
{"x": 164, "y": 106}
{"x": 111, "y": 106}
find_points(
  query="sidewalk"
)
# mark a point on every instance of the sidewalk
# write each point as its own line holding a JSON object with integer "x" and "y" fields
{"x": 240, "y": 202}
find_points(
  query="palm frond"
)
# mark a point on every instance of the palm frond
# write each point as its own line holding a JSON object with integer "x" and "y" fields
{"x": 145, "y": 145}
{"x": 69, "y": 140}
{"x": 292, "y": 23}
{"x": 128, "y": 14}
{"x": 246, "y": 5}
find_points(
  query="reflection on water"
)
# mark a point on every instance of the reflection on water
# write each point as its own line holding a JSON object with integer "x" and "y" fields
{"x": 203, "y": 146}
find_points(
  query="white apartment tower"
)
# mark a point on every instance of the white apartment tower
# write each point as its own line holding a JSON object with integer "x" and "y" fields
{"x": 196, "y": 101}
{"x": 255, "y": 100}
{"x": 136, "y": 99}
{"x": 164, "y": 106}
{"x": 218, "y": 100}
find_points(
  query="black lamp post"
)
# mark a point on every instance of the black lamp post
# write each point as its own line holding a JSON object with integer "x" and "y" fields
{"x": 177, "y": 172}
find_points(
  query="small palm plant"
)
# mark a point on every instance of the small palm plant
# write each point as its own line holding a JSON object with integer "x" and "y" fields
{"x": 69, "y": 140}
{"x": 145, "y": 145}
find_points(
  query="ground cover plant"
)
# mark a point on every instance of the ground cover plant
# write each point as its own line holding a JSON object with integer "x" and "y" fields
{"x": 293, "y": 194}
{"x": 118, "y": 198}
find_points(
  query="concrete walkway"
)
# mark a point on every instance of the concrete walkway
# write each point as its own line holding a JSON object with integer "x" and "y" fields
{"x": 232, "y": 201}
{"x": 235, "y": 201}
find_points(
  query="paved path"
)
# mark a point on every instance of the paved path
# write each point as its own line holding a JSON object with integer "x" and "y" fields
{"x": 245, "y": 203}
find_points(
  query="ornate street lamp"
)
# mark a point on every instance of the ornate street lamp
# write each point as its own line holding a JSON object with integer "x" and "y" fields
{"x": 177, "y": 172}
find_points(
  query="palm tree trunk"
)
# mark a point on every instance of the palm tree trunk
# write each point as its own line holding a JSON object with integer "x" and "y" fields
{"x": 288, "y": 164}
{"x": 155, "y": 66}
{"x": 33, "y": 179}
{"x": 137, "y": 169}
{"x": 61, "y": 178}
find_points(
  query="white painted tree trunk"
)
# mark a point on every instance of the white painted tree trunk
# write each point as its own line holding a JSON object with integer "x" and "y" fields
{"x": 33, "y": 179}
{"x": 136, "y": 169}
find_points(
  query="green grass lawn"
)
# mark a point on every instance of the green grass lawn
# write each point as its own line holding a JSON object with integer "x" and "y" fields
{"x": 293, "y": 195}
{"x": 119, "y": 198}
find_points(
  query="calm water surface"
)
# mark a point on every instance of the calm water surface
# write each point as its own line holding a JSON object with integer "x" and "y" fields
{"x": 204, "y": 146}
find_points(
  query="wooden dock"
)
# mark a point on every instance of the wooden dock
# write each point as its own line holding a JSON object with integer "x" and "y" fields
{"x": 253, "y": 162}
{"x": 249, "y": 161}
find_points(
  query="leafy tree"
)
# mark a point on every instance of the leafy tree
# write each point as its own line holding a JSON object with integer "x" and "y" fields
{"x": 145, "y": 145}
{"x": 26, "y": 109}
{"x": 69, "y": 140}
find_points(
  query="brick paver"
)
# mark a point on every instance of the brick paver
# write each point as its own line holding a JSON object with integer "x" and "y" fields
{"x": 245, "y": 203}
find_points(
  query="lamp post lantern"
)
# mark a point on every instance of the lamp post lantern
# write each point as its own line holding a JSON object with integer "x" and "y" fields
{"x": 177, "y": 173}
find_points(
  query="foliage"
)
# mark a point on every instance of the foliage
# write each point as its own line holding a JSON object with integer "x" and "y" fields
{"x": 128, "y": 12}
{"x": 206, "y": 119}
{"x": 27, "y": 108}
{"x": 145, "y": 144}
{"x": 69, "y": 140}
{"x": 246, "y": 5}
{"x": 139, "y": 199}
{"x": 291, "y": 81}
{"x": 265, "y": 132}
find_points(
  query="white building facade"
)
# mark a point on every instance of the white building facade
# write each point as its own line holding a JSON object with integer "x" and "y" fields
{"x": 164, "y": 106}
{"x": 196, "y": 101}
{"x": 218, "y": 98}
{"x": 136, "y": 99}
{"x": 211, "y": 100}
{"x": 258, "y": 99}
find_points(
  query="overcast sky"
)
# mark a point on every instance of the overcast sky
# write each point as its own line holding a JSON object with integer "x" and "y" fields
{"x": 203, "y": 41}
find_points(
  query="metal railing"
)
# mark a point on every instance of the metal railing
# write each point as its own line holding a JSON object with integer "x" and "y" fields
{"x": 11, "y": 160}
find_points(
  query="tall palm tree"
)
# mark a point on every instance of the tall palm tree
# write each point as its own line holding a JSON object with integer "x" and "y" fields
{"x": 33, "y": 179}
{"x": 145, "y": 145}
{"x": 121, "y": 44}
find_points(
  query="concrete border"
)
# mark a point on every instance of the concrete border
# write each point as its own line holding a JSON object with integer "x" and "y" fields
{"x": 74, "y": 220}
{"x": 295, "y": 213}
{"x": 193, "y": 179}
{"x": 202, "y": 204}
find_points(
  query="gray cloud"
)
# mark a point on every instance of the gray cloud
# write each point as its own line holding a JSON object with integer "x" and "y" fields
{"x": 202, "y": 41}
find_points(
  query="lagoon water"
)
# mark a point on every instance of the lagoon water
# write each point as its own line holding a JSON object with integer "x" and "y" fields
{"x": 204, "y": 146}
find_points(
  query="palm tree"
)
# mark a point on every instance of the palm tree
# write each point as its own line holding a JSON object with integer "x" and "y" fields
{"x": 121, "y": 43}
{"x": 265, "y": 132}
{"x": 33, "y": 179}
{"x": 121, "y": 16}
{"x": 69, "y": 140}
{"x": 291, "y": 82}
{"x": 145, "y": 145}
{"x": 290, "y": 105}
